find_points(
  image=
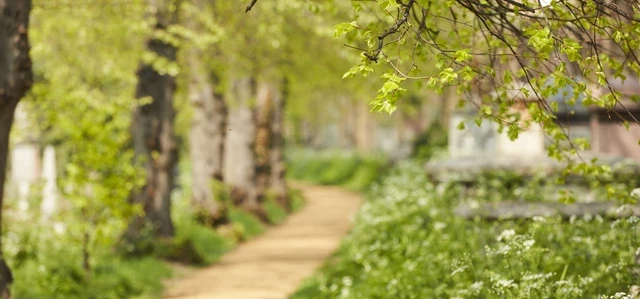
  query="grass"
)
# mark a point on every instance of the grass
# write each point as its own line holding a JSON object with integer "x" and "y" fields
{"x": 349, "y": 170}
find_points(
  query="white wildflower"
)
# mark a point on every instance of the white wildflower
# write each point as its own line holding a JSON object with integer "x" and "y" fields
{"x": 506, "y": 234}
{"x": 477, "y": 285}
{"x": 347, "y": 281}
{"x": 588, "y": 217}
{"x": 458, "y": 270}
{"x": 619, "y": 295}
{"x": 505, "y": 249}
{"x": 474, "y": 204}
{"x": 504, "y": 283}
{"x": 528, "y": 243}
{"x": 539, "y": 219}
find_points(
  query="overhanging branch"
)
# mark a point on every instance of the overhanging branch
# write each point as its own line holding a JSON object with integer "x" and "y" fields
{"x": 405, "y": 18}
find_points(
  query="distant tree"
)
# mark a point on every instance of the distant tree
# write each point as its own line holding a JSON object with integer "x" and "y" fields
{"x": 277, "y": 181}
{"x": 209, "y": 120}
{"x": 153, "y": 123}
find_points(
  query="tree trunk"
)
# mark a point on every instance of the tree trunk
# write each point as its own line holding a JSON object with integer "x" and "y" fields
{"x": 152, "y": 129}
{"x": 7, "y": 108}
{"x": 16, "y": 78}
{"x": 278, "y": 166}
{"x": 262, "y": 145}
{"x": 206, "y": 144}
{"x": 364, "y": 132}
{"x": 449, "y": 101}
{"x": 345, "y": 134}
{"x": 206, "y": 137}
{"x": 240, "y": 163}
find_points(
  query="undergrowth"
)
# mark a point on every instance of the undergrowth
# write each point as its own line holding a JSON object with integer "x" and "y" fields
{"x": 332, "y": 167}
{"x": 407, "y": 243}
{"x": 47, "y": 256}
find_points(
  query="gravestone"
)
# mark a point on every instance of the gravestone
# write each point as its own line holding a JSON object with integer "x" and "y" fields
{"x": 485, "y": 140}
{"x": 50, "y": 190}
{"x": 530, "y": 143}
{"x": 472, "y": 140}
{"x": 24, "y": 159}
{"x": 25, "y": 170}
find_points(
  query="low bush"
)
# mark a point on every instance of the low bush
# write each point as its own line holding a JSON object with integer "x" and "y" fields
{"x": 48, "y": 263}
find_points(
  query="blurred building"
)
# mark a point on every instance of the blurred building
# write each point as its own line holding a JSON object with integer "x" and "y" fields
{"x": 608, "y": 133}
{"x": 482, "y": 140}
{"x": 603, "y": 129}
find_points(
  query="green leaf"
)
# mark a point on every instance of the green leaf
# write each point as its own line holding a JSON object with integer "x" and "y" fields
{"x": 513, "y": 132}
{"x": 461, "y": 126}
{"x": 440, "y": 62}
{"x": 447, "y": 75}
{"x": 486, "y": 109}
{"x": 344, "y": 28}
{"x": 352, "y": 72}
{"x": 467, "y": 73}
{"x": 507, "y": 77}
{"x": 393, "y": 77}
{"x": 462, "y": 55}
{"x": 479, "y": 121}
{"x": 389, "y": 86}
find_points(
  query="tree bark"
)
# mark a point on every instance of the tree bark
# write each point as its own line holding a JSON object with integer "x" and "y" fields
{"x": 16, "y": 78}
{"x": 207, "y": 137}
{"x": 278, "y": 166}
{"x": 364, "y": 133}
{"x": 206, "y": 143}
{"x": 240, "y": 162}
{"x": 153, "y": 136}
{"x": 262, "y": 146}
{"x": 7, "y": 108}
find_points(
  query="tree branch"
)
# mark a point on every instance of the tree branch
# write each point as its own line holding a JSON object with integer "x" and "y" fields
{"x": 405, "y": 18}
{"x": 250, "y": 6}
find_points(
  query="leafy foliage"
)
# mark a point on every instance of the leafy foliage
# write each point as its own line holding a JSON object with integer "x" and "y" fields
{"x": 493, "y": 54}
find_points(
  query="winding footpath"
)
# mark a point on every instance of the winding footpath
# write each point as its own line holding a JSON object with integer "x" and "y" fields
{"x": 274, "y": 264}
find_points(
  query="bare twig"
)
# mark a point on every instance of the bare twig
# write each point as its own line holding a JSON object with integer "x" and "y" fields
{"x": 250, "y": 6}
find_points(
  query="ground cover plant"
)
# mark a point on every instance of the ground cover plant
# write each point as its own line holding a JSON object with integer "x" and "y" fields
{"x": 407, "y": 243}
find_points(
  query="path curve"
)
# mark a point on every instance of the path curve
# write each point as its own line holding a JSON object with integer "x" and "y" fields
{"x": 274, "y": 264}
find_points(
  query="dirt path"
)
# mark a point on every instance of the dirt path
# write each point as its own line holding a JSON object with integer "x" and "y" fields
{"x": 274, "y": 264}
